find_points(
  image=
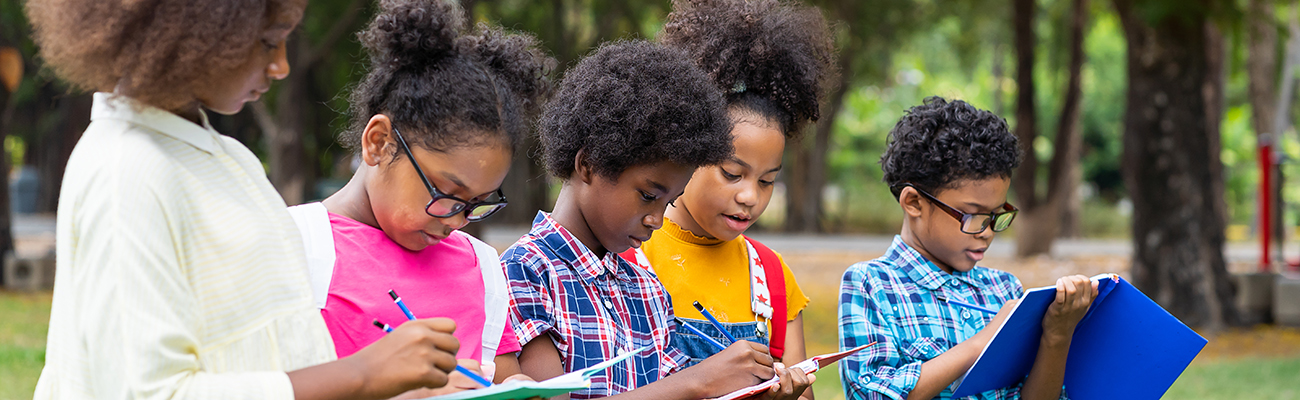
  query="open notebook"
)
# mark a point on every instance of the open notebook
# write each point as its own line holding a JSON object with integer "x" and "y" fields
{"x": 1125, "y": 346}
{"x": 576, "y": 380}
{"x": 808, "y": 366}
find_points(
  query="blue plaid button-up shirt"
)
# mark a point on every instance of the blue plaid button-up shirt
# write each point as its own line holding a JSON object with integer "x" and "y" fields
{"x": 891, "y": 301}
{"x": 592, "y": 308}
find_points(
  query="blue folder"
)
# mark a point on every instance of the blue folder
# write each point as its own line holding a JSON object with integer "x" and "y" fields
{"x": 1126, "y": 346}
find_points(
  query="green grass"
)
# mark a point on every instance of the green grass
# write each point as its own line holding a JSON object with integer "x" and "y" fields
{"x": 24, "y": 322}
{"x": 1247, "y": 378}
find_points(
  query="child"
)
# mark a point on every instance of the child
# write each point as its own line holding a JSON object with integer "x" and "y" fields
{"x": 771, "y": 91}
{"x": 628, "y": 126}
{"x": 949, "y": 165}
{"x": 180, "y": 272}
{"x": 436, "y": 121}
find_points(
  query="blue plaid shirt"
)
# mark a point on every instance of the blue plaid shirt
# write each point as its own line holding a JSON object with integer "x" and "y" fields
{"x": 891, "y": 301}
{"x": 592, "y": 308}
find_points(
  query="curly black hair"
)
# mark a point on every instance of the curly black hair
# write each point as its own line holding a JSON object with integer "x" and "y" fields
{"x": 444, "y": 85}
{"x": 940, "y": 142}
{"x": 157, "y": 52}
{"x": 634, "y": 103}
{"x": 771, "y": 57}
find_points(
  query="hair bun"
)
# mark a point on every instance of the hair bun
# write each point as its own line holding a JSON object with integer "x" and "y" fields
{"x": 413, "y": 33}
{"x": 777, "y": 49}
{"x": 515, "y": 59}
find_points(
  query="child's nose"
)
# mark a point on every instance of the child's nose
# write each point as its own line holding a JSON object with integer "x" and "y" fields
{"x": 748, "y": 194}
{"x": 456, "y": 221}
{"x": 653, "y": 220}
{"x": 279, "y": 67}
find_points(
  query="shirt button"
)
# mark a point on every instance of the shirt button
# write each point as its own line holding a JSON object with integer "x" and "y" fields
{"x": 965, "y": 314}
{"x": 609, "y": 304}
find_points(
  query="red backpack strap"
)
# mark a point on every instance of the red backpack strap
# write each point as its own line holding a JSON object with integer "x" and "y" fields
{"x": 636, "y": 257}
{"x": 775, "y": 272}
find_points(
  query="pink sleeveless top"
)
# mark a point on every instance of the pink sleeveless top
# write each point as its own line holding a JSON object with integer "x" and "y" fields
{"x": 444, "y": 280}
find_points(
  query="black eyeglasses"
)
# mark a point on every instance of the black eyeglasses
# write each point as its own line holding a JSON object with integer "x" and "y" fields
{"x": 973, "y": 224}
{"x": 443, "y": 205}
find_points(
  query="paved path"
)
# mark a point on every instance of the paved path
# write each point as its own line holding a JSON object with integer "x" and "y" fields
{"x": 876, "y": 244}
{"x": 39, "y": 229}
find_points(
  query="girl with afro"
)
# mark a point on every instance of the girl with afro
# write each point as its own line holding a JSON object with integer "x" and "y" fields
{"x": 181, "y": 275}
{"x": 628, "y": 126}
{"x": 771, "y": 59}
{"x": 436, "y": 121}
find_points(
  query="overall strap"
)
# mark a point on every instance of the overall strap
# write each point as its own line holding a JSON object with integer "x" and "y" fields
{"x": 775, "y": 276}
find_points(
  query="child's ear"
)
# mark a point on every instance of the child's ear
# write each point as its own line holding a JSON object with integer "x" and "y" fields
{"x": 910, "y": 201}
{"x": 375, "y": 139}
{"x": 581, "y": 168}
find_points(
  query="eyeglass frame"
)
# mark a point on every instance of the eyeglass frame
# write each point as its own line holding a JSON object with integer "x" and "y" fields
{"x": 435, "y": 194}
{"x": 962, "y": 216}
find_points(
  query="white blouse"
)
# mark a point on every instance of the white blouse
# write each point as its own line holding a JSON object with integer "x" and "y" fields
{"x": 180, "y": 273}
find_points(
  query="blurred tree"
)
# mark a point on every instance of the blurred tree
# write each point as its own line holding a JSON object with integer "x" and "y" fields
{"x": 1042, "y": 216}
{"x": 567, "y": 29}
{"x": 869, "y": 32}
{"x": 1175, "y": 105}
{"x": 313, "y": 53}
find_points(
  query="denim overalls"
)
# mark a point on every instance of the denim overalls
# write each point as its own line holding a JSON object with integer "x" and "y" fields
{"x": 698, "y": 349}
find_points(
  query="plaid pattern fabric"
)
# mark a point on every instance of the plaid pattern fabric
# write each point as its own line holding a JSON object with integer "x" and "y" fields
{"x": 593, "y": 308}
{"x": 891, "y": 301}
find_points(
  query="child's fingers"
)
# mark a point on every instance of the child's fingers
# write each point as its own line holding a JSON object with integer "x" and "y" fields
{"x": 1060, "y": 291}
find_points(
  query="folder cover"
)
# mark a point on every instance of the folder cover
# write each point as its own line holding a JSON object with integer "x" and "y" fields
{"x": 1126, "y": 346}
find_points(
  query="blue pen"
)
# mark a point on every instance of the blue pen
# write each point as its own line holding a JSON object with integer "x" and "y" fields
{"x": 967, "y": 305}
{"x": 398, "y": 299}
{"x": 701, "y": 334}
{"x": 715, "y": 322}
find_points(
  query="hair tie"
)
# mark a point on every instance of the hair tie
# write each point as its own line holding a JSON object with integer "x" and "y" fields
{"x": 739, "y": 87}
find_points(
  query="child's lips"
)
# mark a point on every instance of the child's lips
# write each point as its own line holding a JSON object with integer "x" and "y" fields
{"x": 431, "y": 239}
{"x": 737, "y": 222}
{"x": 976, "y": 255}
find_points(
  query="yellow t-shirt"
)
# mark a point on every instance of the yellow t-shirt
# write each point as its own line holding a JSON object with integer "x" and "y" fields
{"x": 710, "y": 271}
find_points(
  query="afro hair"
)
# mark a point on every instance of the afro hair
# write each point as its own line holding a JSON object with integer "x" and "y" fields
{"x": 770, "y": 57}
{"x": 939, "y": 143}
{"x": 633, "y": 103}
{"x": 444, "y": 85}
{"x": 157, "y": 52}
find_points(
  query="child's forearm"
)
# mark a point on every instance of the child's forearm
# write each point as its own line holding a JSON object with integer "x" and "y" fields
{"x": 1048, "y": 374}
{"x": 943, "y": 370}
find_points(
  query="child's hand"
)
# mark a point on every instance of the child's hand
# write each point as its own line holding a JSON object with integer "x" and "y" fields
{"x": 1074, "y": 294}
{"x": 456, "y": 382}
{"x": 742, "y": 364}
{"x": 418, "y": 354}
{"x": 793, "y": 383}
{"x": 985, "y": 335}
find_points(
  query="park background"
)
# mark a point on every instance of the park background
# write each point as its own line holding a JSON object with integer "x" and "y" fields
{"x": 1143, "y": 123}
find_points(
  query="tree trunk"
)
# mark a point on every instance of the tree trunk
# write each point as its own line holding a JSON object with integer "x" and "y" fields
{"x": 1169, "y": 135}
{"x": 1024, "y": 181}
{"x": 804, "y": 206}
{"x": 6, "y": 217}
{"x": 52, "y": 149}
{"x": 284, "y": 139}
{"x": 1261, "y": 66}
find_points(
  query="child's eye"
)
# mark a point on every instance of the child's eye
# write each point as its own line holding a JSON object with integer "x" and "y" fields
{"x": 647, "y": 197}
{"x": 766, "y": 183}
{"x": 728, "y": 175}
{"x": 270, "y": 45}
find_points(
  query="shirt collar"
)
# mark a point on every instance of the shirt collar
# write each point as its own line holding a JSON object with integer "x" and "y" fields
{"x": 574, "y": 253}
{"x": 122, "y": 108}
{"x": 916, "y": 266}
